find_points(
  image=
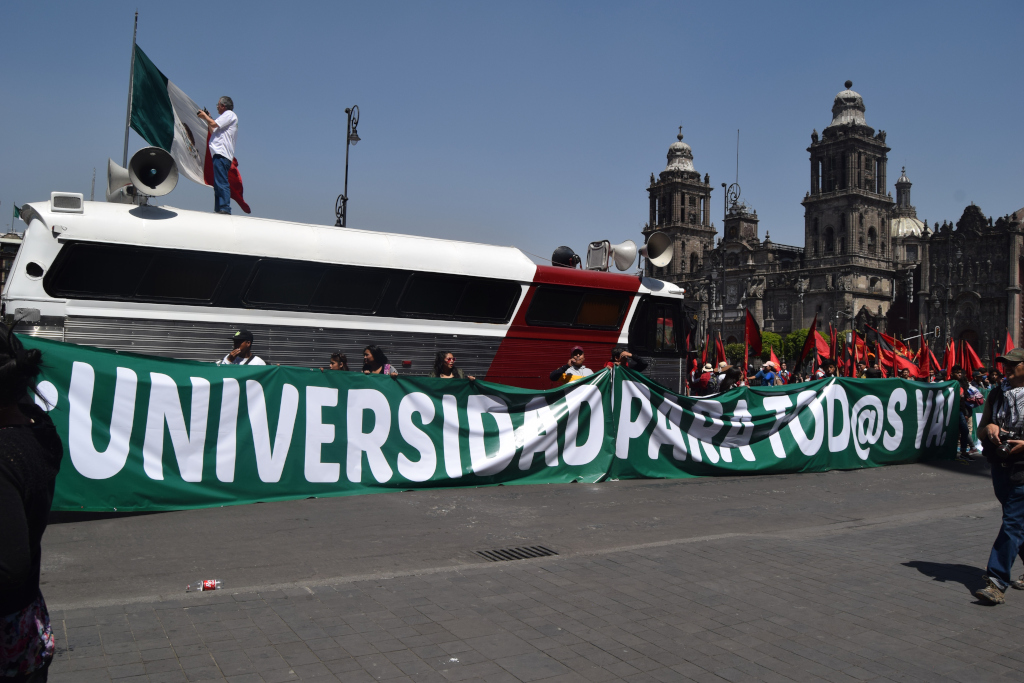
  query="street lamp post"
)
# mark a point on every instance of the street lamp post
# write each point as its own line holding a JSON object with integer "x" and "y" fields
{"x": 954, "y": 254}
{"x": 351, "y": 138}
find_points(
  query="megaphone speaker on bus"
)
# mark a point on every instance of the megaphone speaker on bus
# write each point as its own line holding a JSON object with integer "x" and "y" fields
{"x": 658, "y": 250}
{"x": 602, "y": 252}
{"x": 117, "y": 184}
{"x": 153, "y": 171}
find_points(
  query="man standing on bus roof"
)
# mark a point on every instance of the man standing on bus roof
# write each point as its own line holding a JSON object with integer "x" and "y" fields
{"x": 222, "y": 131}
{"x": 242, "y": 353}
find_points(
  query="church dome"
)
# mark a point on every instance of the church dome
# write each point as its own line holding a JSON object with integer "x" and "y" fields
{"x": 848, "y": 108}
{"x": 680, "y": 156}
{"x": 907, "y": 226}
{"x": 904, "y": 180}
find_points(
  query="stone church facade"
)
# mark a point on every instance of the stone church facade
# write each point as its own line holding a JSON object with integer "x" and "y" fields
{"x": 866, "y": 259}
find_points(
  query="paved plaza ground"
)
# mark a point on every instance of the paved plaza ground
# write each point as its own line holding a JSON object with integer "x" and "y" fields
{"x": 844, "y": 576}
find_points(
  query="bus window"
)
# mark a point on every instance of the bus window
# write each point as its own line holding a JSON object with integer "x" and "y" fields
{"x": 182, "y": 276}
{"x": 98, "y": 271}
{"x": 351, "y": 289}
{"x": 285, "y": 284}
{"x": 658, "y": 328}
{"x": 488, "y": 300}
{"x": 567, "y": 307}
{"x": 431, "y": 296}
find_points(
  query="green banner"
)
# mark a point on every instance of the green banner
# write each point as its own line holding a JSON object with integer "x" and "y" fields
{"x": 808, "y": 427}
{"x": 149, "y": 433}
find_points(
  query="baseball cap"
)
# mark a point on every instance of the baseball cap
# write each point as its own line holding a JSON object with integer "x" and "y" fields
{"x": 242, "y": 336}
{"x": 1012, "y": 356}
{"x": 575, "y": 350}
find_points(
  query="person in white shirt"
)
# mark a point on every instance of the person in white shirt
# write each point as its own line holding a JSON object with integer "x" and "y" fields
{"x": 242, "y": 353}
{"x": 223, "y": 131}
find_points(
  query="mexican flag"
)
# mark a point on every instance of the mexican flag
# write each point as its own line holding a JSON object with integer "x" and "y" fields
{"x": 166, "y": 117}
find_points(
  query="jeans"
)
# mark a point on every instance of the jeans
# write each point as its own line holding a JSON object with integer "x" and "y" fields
{"x": 965, "y": 434}
{"x": 1010, "y": 540}
{"x": 221, "y": 187}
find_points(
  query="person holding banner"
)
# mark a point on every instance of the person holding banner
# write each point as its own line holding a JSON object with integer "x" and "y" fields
{"x": 444, "y": 367}
{"x": 573, "y": 370}
{"x": 375, "y": 362}
{"x": 1002, "y": 437}
{"x": 241, "y": 354}
{"x": 32, "y": 453}
{"x": 339, "y": 361}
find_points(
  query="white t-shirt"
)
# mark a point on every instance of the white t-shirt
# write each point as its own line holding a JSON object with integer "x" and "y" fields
{"x": 222, "y": 141}
{"x": 251, "y": 360}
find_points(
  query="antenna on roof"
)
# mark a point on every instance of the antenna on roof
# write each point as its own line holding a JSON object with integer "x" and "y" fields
{"x": 737, "y": 156}
{"x": 92, "y": 192}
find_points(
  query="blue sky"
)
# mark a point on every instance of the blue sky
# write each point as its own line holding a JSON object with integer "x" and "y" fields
{"x": 531, "y": 124}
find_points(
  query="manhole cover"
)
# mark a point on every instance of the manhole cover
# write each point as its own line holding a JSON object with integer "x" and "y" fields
{"x": 525, "y": 553}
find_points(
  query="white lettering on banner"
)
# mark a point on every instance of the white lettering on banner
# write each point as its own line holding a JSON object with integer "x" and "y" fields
{"x": 949, "y": 408}
{"x": 630, "y": 428}
{"x": 700, "y": 430}
{"x": 539, "y": 434}
{"x": 45, "y": 395}
{"x": 165, "y": 406}
{"x": 270, "y": 463}
{"x": 835, "y": 393}
{"x": 924, "y": 411}
{"x": 667, "y": 431}
{"x": 359, "y": 442}
{"x": 450, "y": 436}
{"x": 581, "y": 454}
{"x": 897, "y": 402}
{"x": 487, "y": 465}
{"x": 866, "y": 421}
{"x": 808, "y": 446}
{"x": 937, "y": 431}
{"x": 778, "y": 405}
{"x": 87, "y": 460}
{"x": 227, "y": 440}
{"x": 424, "y": 468}
{"x": 740, "y": 430}
{"x": 318, "y": 433}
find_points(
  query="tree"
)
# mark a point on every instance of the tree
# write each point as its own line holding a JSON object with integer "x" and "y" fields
{"x": 770, "y": 340}
{"x": 795, "y": 344}
{"x": 734, "y": 352}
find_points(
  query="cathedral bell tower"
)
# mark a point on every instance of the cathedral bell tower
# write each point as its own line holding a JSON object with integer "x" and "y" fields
{"x": 681, "y": 208}
{"x": 847, "y": 242}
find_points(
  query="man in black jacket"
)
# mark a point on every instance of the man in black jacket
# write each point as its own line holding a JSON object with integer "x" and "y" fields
{"x": 621, "y": 356}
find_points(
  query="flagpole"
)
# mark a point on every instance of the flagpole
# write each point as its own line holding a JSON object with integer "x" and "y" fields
{"x": 131, "y": 88}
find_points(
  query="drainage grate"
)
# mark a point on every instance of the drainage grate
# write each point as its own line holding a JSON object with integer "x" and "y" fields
{"x": 506, "y": 554}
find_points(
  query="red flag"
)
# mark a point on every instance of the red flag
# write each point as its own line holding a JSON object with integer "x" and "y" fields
{"x": 904, "y": 364}
{"x": 935, "y": 367}
{"x": 809, "y": 343}
{"x": 880, "y": 358}
{"x": 704, "y": 354}
{"x": 821, "y": 346}
{"x": 950, "y": 358}
{"x": 833, "y": 343}
{"x": 1007, "y": 347}
{"x": 234, "y": 177}
{"x": 752, "y": 332}
{"x": 971, "y": 359}
{"x": 923, "y": 360}
{"x": 855, "y": 358}
{"x": 773, "y": 358}
{"x": 720, "y": 351}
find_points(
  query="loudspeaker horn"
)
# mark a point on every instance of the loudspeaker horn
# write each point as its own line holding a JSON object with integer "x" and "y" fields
{"x": 658, "y": 250}
{"x": 153, "y": 171}
{"x": 117, "y": 182}
{"x": 623, "y": 254}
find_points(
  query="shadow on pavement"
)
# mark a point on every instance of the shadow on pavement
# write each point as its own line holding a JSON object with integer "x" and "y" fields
{"x": 972, "y": 578}
{"x": 978, "y": 466}
{"x": 57, "y": 517}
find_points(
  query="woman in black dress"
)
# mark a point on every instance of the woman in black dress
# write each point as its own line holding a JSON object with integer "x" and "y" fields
{"x": 30, "y": 455}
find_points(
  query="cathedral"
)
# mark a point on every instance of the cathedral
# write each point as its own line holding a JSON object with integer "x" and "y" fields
{"x": 867, "y": 260}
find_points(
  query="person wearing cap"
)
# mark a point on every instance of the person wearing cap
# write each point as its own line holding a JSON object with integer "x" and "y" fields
{"x": 1002, "y": 438}
{"x": 767, "y": 374}
{"x": 241, "y": 354}
{"x": 573, "y": 370}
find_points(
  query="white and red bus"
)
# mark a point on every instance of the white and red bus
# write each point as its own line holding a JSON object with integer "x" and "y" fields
{"x": 170, "y": 282}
